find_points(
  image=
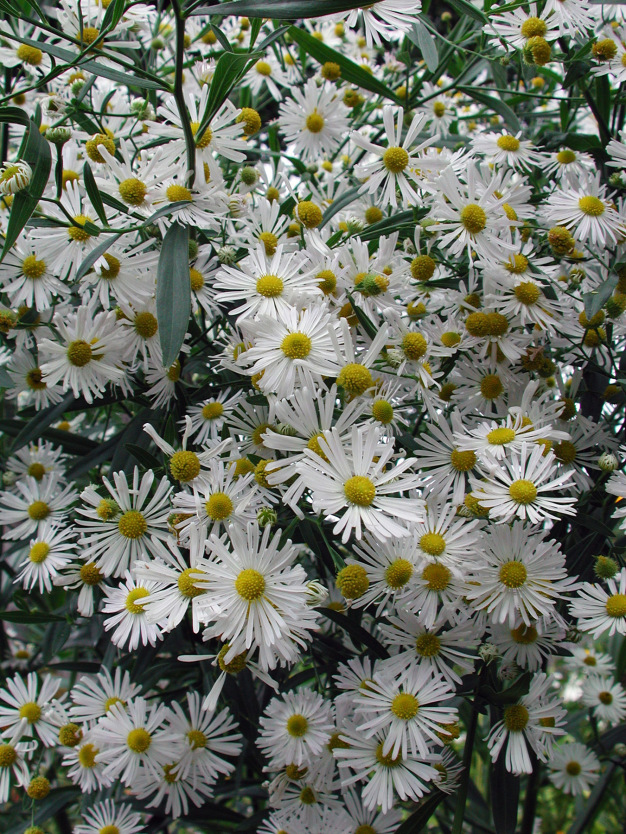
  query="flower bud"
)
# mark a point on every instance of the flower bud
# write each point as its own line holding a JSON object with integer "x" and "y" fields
{"x": 608, "y": 462}
{"x": 14, "y": 177}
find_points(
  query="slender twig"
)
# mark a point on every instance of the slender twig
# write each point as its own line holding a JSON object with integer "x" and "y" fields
{"x": 179, "y": 96}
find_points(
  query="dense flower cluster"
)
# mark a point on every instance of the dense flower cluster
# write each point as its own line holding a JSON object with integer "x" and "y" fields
{"x": 313, "y": 425}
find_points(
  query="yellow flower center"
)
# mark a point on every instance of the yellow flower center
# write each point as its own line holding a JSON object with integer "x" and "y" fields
{"x": 39, "y": 510}
{"x": 92, "y": 146}
{"x": 112, "y": 269}
{"x": 314, "y": 122}
{"x": 263, "y": 68}
{"x": 107, "y": 509}
{"x": 250, "y": 584}
{"x": 34, "y": 380}
{"x": 145, "y": 325}
{"x": 516, "y": 718}
{"x": 31, "y": 712}
{"x": 309, "y": 214}
{"x": 523, "y": 491}
{"x": 269, "y": 241}
{"x": 251, "y": 121}
{"x": 87, "y": 755}
{"x": 32, "y": 268}
{"x": 205, "y": 140}
{"x": 516, "y": 264}
{"x": 565, "y": 451}
{"x": 79, "y": 353}
{"x": 132, "y": 191}
{"x": 219, "y": 506}
{"x": 196, "y": 280}
{"x": 307, "y": 796}
{"x": 427, "y": 645}
{"x": 233, "y": 667}
{"x": 373, "y": 215}
{"x": 527, "y": 293}
{"x": 382, "y": 410}
{"x": 269, "y": 286}
{"x": 591, "y": 206}
{"x": 573, "y": 768}
{"x": 566, "y": 157}
{"x": 110, "y": 702}
{"x": 186, "y": 583}
{"x": 76, "y": 233}
{"x": 132, "y": 606}
{"x": 139, "y": 740}
{"x": 132, "y": 525}
{"x": 8, "y": 755}
{"x": 508, "y": 143}
{"x": 355, "y": 379}
{"x": 178, "y": 194}
{"x": 297, "y": 725}
{"x": 500, "y": 437}
{"x": 89, "y": 34}
{"x": 395, "y": 159}
{"x": 296, "y": 345}
{"x": 387, "y": 760}
{"x": 433, "y": 543}
{"x": 473, "y": 218}
{"x": 513, "y": 574}
{"x": 439, "y": 109}
{"x": 437, "y": 576}
{"x": 90, "y": 574}
{"x": 39, "y": 552}
{"x": 353, "y": 581}
{"x": 450, "y": 339}
{"x": 491, "y": 386}
{"x": 359, "y": 490}
{"x": 405, "y": 706}
{"x": 605, "y": 698}
{"x": 414, "y": 346}
{"x": 533, "y": 27}
{"x": 524, "y": 635}
{"x": 398, "y": 573}
{"x": 37, "y": 471}
{"x": 462, "y": 461}
{"x": 616, "y": 606}
{"x": 184, "y": 466}
{"x": 211, "y": 411}
{"x": 29, "y": 54}
{"x": 197, "y": 739}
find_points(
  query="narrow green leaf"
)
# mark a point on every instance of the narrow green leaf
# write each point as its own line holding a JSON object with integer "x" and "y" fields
{"x": 350, "y": 71}
{"x": 14, "y": 116}
{"x": 596, "y": 299}
{"x": 144, "y": 457}
{"x": 93, "y": 193}
{"x": 495, "y": 104}
{"x": 37, "y": 154}
{"x": 340, "y": 203}
{"x": 173, "y": 291}
{"x": 427, "y": 44}
{"x": 219, "y": 34}
{"x": 419, "y": 819}
{"x": 30, "y": 617}
{"x": 230, "y": 68}
{"x": 504, "y": 797}
{"x": 466, "y": 9}
{"x": 40, "y": 422}
{"x": 93, "y": 256}
{"x": 280, "y": 9}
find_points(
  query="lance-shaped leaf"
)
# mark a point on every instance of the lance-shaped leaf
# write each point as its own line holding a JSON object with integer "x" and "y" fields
{"x": 173, "y": 291}
{"x": 280, "y": 9}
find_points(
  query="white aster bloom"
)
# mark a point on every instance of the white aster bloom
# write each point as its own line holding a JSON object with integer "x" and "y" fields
{"x": 599, "y": 610}
{"x": 109, "y": 816}
{"x": 294, "y": 728}
{"x": 574, "y": 768}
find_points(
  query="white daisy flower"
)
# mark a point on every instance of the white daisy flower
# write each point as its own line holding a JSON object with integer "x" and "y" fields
{"x": 507, "y": 150}
{"x": 599, "y": 610}
{"x": 605, "y": 697}
{"x": 574, "y": 768}
{"x": 126, "y": 605}
{"x": 82, "y": 767}
{"x": 94, "y": 695}
{"x": 294, "y": 728}
{"x": 314, "y": 120}
{"x": 14, "y": 756}
{"x": 586, "y": 211}
{"x": 50, "y": 551}
{"x": 26, "y": 708}
{"x": 107, "y": 815}
{"x": 35, "y": 505}
{"x": 208, "y": 418}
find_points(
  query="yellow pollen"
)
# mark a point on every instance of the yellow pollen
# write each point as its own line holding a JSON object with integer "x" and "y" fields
{"x": 219, "y": 506}
{"x": 263, "y": 68}
{"x": 565, "y": 451}
{"x": 139, "y": 740}
{"x": 433, "y": 544}
{"x": 112, "y": 269}
{"x": 309, "y": 214}
{"x": 516, "y": 264}
{"x": 439, "y": 109}
{"x": 145, "y": 325}
{"x": 8, "y": 755}
{"x": 566, "y": 157}
{"x": 360, "y": 490}
{"x": 269, "y": 241}
{"x": 605, "y": 698}
{"x": 508, "y": 143}
{"x": 70, "y": 735}
{"x": 132, "y": 525}
{"x": 29, "y": 54}
{"x": 184, "y": 466}
{"x": 405, "y": 706}
{"x": 616, "y": 606}
{"x": 398, "y": 573}
{"x": 395, "y": 159}
{"x": 573, "y": 768}
{"x": 107, "y": 509}
{"x": 132, "y": 191}
{"x": 473, "y": 218}
{"x": 296, "y": 345}
{"x": 92, "y": 146}
{"x": 205, "y": 140}
{"x": 387, "y": 760}
{"x": 355, "y": 379}
{"x": 314, "y": 122}
{"x": 32, "y": 268}
{"x": 89, "y": 34}
{"x": 523, "y": 491}
{"x": 491, "y": 386}
{"x": 427, "y": 645}
{"x": 39, "y": 510}
{"x": 297, "y": 725}
{"x": 31, "y": 712}
{"x": 131, "y": 604}
{"x": 269, "y": 286}
{"x": 533, "y": 27}
{"x": 37, "y": 471}
{"x": 251, "y": 121}
{"x": 353, "y": 581}
{"x": 250, "y": 584}
{"x": 462, "y": 461}
{"x": 197, "y": 739}
{"x": 39, "y": 552}
{"x": 373, "y": 215}
{"x": 178, "y": 194}
{"x": 414, "y": 346}
{"x": 211, "y": 411}
{"x": 527, "y": 293}
{"x": 516, "y": 718}
{"x": 79, "y": 353}
{"x": 591, "y": 206}
{"x": 450, "y": 339}
{"x": 76, "y": 233}
{"x": 233, "y": 667}
{"x": 500, "y": 437}
{"x": 382, "y": 410}
{"x": 34, "y": 380}
{"x": 437, "y": 576}
{"x": 196, "y": 280}
{"x": 307, "y": 796}
{"x": 87, "y": 755}
{"x": 186, "y": 583}
{"x": 90, "y": 574}
{"x": 513, "y": 574}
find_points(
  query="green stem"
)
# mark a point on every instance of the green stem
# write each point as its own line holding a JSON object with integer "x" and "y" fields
{"x": 461, "y": 796}
{"x": 179, "y": 96}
